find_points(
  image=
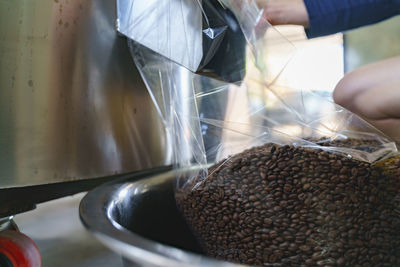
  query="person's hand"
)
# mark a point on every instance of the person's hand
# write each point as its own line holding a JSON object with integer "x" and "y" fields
{"x": 282, "y": 12}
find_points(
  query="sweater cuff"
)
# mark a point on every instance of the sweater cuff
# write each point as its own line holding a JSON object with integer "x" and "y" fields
{"x": 328, "y": 17}
{"x": 323, "y": 19}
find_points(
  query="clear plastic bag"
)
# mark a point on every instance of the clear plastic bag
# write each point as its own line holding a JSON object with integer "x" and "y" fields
{"x": 294, "y": 178}
{"x": 200, "y": 35}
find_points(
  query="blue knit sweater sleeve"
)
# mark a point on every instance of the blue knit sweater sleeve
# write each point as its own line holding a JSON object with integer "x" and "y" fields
{"x": 332, "y": 16}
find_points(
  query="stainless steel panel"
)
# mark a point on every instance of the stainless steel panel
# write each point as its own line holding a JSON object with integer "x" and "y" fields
{"x": 72, "y": 104}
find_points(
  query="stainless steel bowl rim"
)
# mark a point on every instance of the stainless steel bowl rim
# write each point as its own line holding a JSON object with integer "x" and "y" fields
{"x": 95, "y": 215}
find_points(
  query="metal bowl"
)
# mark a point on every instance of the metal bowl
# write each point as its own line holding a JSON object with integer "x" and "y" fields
{"x": 140, "y": 221}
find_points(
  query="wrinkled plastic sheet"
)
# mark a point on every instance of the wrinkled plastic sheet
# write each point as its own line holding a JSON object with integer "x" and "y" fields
{"x": 200, "y": 35}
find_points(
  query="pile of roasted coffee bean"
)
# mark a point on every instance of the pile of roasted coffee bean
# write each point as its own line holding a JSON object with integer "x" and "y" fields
{"x": 292, "y": 206}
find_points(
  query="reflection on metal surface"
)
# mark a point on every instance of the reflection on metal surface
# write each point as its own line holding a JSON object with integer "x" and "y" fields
{"x": 143, "y": 224}
{"x": 72, "y": 104}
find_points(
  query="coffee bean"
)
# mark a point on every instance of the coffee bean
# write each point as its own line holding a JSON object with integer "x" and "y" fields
{"x": 247, "y": 239}
{"x": 306, "y": 186}
{"x": 305, "y": 248}
{"x": 267, "y": 222}
{"x": 295, "y": 206}
{"x": 252, "y": 198}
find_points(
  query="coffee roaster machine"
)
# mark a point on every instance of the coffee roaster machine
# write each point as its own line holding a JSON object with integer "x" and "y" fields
{"x": 70, "y": 119}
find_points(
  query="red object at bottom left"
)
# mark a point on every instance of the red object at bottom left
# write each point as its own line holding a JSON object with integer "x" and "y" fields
{"x": 18, "y": 250}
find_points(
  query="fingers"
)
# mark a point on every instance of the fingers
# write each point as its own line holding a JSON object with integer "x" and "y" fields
{"x": 285, "y": 12}
{"x": 390, "y": 127}
{"x": 373, "y": 93}
{"x": 380, "y": 102}
{"x": 274, "y": 15}
{"x": 363, "y": 90}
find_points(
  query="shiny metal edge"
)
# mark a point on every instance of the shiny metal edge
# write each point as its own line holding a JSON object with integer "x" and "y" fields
{"x": 94, "y": 213}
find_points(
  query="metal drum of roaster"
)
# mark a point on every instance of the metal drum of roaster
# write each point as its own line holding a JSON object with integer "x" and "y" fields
{"x": 72, "y": 104}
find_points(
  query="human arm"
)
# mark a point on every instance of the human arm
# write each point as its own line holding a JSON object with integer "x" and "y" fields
{"x": 323, "y": 17}
{"x": 283, "y": 12}
{"x": 328, "y": 17}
